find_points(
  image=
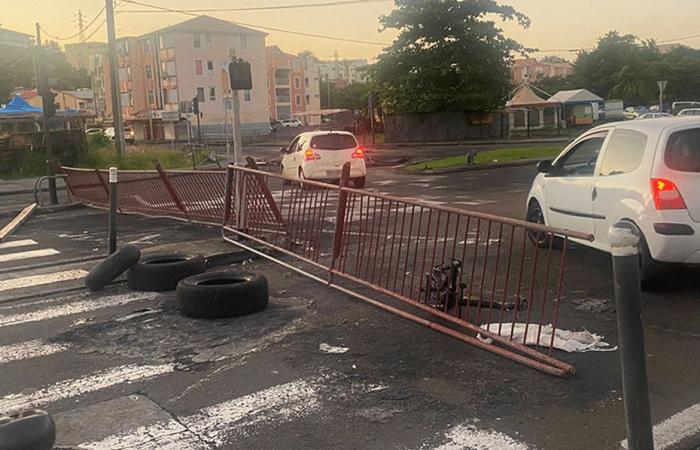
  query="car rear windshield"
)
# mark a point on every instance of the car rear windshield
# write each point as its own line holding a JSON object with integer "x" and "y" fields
{"x": 683, "y": 150}
{"x": 333, "y": 142}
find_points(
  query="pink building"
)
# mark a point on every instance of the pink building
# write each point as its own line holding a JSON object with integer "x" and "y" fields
{"x": 529, "y": 69}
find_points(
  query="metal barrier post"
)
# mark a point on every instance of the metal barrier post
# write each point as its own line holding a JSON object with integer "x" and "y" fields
{"x": 624, "y": 239}
{"x": 112, "y": 227}
{"x": 340, "y": 215}
{"x": 170, "y": 189}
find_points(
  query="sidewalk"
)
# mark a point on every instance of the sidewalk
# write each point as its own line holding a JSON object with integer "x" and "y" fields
{"x": 20, "y": 186}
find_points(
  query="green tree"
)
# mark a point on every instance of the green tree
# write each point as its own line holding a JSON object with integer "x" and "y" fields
{"x": 449, "y": 55}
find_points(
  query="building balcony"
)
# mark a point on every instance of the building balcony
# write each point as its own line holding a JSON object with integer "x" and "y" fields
{"x": 282, "y": 99}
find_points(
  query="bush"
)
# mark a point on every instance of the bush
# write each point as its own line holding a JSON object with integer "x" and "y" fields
{"x": 98, "y": 140}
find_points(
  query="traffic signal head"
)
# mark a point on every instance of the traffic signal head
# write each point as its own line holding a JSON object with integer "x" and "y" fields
{"x": 195, "y": 105}
{"x": 240, "y": 76}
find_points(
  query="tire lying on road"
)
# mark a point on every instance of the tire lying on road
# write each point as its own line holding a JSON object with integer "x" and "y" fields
{"x": 216, "y": 295}
{"x": 163, "y": 272}
{"x": 32, "y": 429}
{"x": 113, "y": 266}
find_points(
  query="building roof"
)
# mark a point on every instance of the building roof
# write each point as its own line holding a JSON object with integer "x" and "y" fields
{"x": 208, "y": 24}
{"x": 18, "y": 106}
{"x": 575, "y": 96}
{"x": 524, "y": 96}
{"x": 16, "y": 33}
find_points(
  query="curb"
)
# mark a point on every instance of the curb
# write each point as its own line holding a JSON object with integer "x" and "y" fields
{"x": 458, "y": 143}
{"x": 522, "y": 162}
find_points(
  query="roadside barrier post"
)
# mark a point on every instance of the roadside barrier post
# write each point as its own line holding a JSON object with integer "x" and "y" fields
{"x": 624, "y": 239}
{"x": 112, "y": 228}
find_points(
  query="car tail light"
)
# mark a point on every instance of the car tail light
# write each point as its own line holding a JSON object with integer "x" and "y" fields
{"x": 359, "y": 153}
{"x": 309, "y": 155}
{"x": 666, "y": 194}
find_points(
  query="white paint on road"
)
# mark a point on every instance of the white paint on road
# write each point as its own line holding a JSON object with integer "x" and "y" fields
{"x": 28, "y": 350}
{"x": 676, "y": 428}
{"x": 19, "y": 243}
{"x": 469, "y": 437}
{"x": 79, "y": 386}
{"x": 76, "y": 307}
{"x": 38, "y": 280}
{"x": 28, "y": 254}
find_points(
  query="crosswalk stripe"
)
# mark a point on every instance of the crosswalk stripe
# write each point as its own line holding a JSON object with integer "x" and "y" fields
{"x": 38, "y": 280}
{"x": 76, "y": 307}
{"x": 465, "y": 437}
{"x": 675, "y": 429}
{"x": 126, "y": 374}
{"x": 28, "y": 254}
{"x": 18, "y": 243}
{"x": 28, "y": 350}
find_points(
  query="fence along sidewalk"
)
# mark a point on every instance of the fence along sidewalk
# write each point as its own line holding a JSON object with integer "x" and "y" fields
{"x": 474, "y": 276}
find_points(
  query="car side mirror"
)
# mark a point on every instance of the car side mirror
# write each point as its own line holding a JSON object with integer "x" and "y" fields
{"x": 545, "y": 166}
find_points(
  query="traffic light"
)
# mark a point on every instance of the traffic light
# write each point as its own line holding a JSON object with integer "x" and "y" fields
{"x": 195, "y": 105}
{"x": 239, "y": 75}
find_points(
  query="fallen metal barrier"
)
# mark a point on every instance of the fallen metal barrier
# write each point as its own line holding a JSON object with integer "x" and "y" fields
{"x": 474, "y": 276}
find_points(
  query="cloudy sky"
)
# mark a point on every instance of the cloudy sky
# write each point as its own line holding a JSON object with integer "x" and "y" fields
{"x": 556, "y": 25}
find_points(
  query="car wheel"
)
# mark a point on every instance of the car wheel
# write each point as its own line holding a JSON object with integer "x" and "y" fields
{"x": 163, "y": 272}
{"x": 359, "y": 182}
{"x": 651, "y": 272}
{"x": 32, "y": 429}
{"x": 216, "y": 295}
{"x": 112, "y": 266}
{"x": 535, "y": 215}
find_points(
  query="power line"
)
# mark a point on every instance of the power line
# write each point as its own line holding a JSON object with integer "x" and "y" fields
{"x": 300, "y": 33}
{"x": 67, "y": 38}
{"x": 87, "y": 38}
{"x": 266, "y": 8}
{"x": 20, "y": 59}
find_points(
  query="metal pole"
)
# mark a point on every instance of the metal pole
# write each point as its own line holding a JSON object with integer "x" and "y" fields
{"x": 624, "y": 239}
{"x": 237, "y": 149}
{"x": 42, "y": 86}
{"x": 112, "y": 227}
{"x": 114, "y": 80}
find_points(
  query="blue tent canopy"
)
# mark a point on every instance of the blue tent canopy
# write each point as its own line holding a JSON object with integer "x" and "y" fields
{"x": 18, "y": 106}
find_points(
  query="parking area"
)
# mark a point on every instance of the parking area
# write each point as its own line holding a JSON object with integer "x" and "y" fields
{"x": 317, "y": 368}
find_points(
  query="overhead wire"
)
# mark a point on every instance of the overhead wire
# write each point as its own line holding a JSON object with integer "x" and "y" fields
{"x": 68, "y": 38}
{"x": 266, "y": 8}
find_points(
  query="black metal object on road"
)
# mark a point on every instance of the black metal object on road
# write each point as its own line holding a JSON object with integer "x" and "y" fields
{"x": 112, "y": 228}
{"x": 624, "y": 239}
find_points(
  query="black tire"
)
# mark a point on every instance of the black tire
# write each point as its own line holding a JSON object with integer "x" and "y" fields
{"x": 112, "y": 266}
{"x": 359, "y": 182}
{"x": 163, "y": 272}
{"x": 535, "y": 215}
{"x": 216, "y": 295}
{"x": 651, "y": 272}
{"x": 32, "y": 429}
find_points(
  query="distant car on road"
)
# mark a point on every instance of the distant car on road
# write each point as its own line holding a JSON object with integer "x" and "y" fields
{"x": 290, "y": 123}
{"x": 645, "y": 172}
{"x": 129, "y": 135}
{"x": 91, "y": 131}
{"x": 689, "y": 112}
{"x": 320, "y": 155}
{"x": 653, "y": 115}
{"x": 632, "y": 112}
{"x": 677, "y": 107}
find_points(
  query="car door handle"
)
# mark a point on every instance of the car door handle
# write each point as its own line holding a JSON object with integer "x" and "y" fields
{"x": 594, "y": 194}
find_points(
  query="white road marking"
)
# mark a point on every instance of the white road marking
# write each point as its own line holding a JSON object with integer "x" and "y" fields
{"x": 676, "y": 428}
{"x": 19, "y": 243}
{"x": 76, "y": 307}
{"x": 28, "y": 254}
{"x": 469, "y": 437}
{"x": 72, "y": 388}
{"x": 27, "y": 350}
{"x": 37, "y": 280}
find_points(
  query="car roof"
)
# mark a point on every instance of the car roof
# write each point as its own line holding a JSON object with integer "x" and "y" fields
{"x": 655, "y": 126}
{"x": 309, "y": 134}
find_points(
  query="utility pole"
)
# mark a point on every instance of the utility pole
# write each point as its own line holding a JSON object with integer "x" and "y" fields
{"x": 42, "y": 87}
{"x": 114, "y": 80}
{"x": 237, "y": 148}
{"x": 662, "y": 87}
{"x": 328, "y": 90}
{"x": 81, "y": 25}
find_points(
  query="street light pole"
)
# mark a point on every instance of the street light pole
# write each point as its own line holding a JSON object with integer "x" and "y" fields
{"x": 114, "y": 80}
{"x": 662, "y": 87}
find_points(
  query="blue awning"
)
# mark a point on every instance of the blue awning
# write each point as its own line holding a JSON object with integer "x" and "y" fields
{"x": 19, "y": 106}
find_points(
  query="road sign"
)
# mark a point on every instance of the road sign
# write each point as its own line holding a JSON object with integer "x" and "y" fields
{"x": 662, "y": 85}
{"x": 239, "y": 74}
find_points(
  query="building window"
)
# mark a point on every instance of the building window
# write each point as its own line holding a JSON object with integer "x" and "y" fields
{"x": 212, "y": 93}
{"x": 297, "y": 100}
{"x": 297, "y": 83}
{"x": 246, "y": 95}
{"x": 151, "y": 97}
{"x": 147, "y": 46}
{"x": 166, "y": 40}
{"x": 172, "y": 96}
{"x": 197, "y": 40}
{"x": 207, "y": 40}
{"x": 210, "y": 67}
{"x": 308, "y": 99}
{"x": 306, "y": 82}
{"x": 200, "y": 94}
{"x": 244, "y": 42}
{"x": 198, "y": 67}
{"x": 295, "y": 65}
{"x": 149, "y": 71}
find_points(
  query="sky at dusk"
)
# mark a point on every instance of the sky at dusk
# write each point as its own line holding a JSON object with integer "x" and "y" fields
{"x": 556, "y": 25}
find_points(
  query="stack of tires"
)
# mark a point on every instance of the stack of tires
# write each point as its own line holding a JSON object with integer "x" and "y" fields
{"x": 200, "y": 294}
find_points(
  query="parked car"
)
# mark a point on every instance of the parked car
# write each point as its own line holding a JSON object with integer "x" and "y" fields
{"x": 677, "y": 107}
{"x": 689, "y": 112}
{"x": 632, "y": 112}
{"x": 653, "y": 115}
{"x": 645, "y": 172}
{"x": 320, "y": 155}
{"x": 91, "y": 131}
{"x": 129, "y": 135}
{"x": 290, "y": 123}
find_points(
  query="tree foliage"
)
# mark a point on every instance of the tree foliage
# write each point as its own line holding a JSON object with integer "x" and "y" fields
{"x": 449, "y": 55}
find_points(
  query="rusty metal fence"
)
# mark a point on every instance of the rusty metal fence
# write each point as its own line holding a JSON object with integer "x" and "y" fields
{"x": 491, "y": 281}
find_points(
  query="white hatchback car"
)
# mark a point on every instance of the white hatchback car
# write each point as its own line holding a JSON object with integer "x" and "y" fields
{"x": 646, "y": 172}
{"x": 320, "y": 155}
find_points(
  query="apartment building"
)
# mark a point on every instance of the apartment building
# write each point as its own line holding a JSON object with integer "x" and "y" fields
{"x": 530, "y": 69}
{"x": 293, "y": 84}
{"x": 348, "y": 70}
{"x": 13, "y": 38}
{"x": 89, "y": 56}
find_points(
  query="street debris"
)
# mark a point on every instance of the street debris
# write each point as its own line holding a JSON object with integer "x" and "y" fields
{"x": 325, "y": 348}
{"x": 569, "y": 341}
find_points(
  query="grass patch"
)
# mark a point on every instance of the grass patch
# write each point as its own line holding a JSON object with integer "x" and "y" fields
{"x": 489, "y": 157}
{"x": 142, "y": 159}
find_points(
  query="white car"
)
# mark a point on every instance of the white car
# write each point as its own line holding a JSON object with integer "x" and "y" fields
{"x": 646, "y": 172}
{"x": 653, "y": 115}
{"x": 689, "y": 112}
{"x": 320, "y": 155}
{"x": 290, "y": 123}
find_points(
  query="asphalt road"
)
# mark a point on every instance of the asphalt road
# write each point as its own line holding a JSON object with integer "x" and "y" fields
{"x": 123, "y": 370}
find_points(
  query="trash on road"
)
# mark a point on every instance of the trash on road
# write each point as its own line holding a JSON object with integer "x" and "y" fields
{"x": 325, "y": 348}
{"x": 569, "y": 341}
